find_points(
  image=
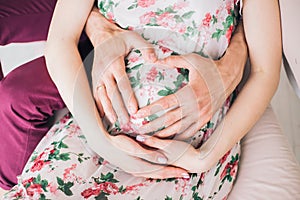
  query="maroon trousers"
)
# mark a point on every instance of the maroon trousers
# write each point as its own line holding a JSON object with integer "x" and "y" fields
{"x": 28, "y": 97}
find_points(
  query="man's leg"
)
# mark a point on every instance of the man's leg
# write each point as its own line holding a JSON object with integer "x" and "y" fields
{"x": 28, "y": 100}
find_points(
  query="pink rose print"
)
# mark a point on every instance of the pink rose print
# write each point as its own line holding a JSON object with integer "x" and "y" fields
{"x": 27, "y": 181}
{"x": 151, "y": 75}
{"x": 223, "y": 159}
{"x": 34, "y": 189}
{"x": 180, "y": 28}
{"x": 228, "y": 33}
{"x": 133, "y": 59}
{"x": 67, "y": 172}
{"x": 110, "y": 16}
{"x": 53, "y": 188}
{"x": 134, "y": 188}
{"x": 146, "y": 18}
{"x": 145, "y": 3}
{"x": 38, "y": 165}
{"x": 206, "y": 20}
{"x": 231, "y": 169}
{"x": 180, "y": 5}
{"x": 87, "y": 193}
{"x": 165, "y": 49}
{"x": 106, "y": 187}
{"x": 165, "y": 19}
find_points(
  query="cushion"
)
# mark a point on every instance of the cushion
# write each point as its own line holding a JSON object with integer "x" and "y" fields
{"x": 25, "y": 20}
{"x": 268, "y": 168}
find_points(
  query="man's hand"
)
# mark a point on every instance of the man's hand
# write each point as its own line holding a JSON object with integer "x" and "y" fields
{"x": 191, "y": 106}
{"x": 210, "y": 83}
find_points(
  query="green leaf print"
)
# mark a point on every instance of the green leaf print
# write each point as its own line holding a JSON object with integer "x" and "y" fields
{"x": 188, "y": 15}
{"x": 42, "y": 197}
{"x": 168, "y": 198}
{"x": 64, "y": 156}
{"x": 136, "y": 67}
{"x": 148, "y": 102}
{"x": 137, "y": 51}
{"x": 44, "y": 184}
{"x": 102, "y": 196}
{"x": 169, "y": 9}
{"x": 217, "y": 34}
{"x": 165, "y": 92}
{"x": 178, "y": 19}
{"x": 122, "y": 189}
{"x": 214, "y": 19}
{"x": 37, "y": 180}
{"x": 109, "y": 177}
{"x": 196, "y": 196}
{"x": 135, "y": 81}
{"x": 132, "y": 6}
{"x": 59, "y": 181}
{"x": 62, "y": 145}
{"x": 179, "y": 81}
{"x": 65, "y": 187}
{"x": 161, "y": 76}
{"x": 229, "y": 22}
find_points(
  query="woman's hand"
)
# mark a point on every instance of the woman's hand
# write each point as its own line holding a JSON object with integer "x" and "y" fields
{"x": 111, "y": 86}
{"x": 193, "y": 105}
{"x": 130, "y": 156}
{"x": 180, "y": 154}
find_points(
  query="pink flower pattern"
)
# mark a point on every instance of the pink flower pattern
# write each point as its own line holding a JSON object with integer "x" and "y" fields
{"x": 145, "y": 3}
{"x": 64, "y": 165}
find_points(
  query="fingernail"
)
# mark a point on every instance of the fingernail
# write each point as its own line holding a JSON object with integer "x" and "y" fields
{"x": 162, "y": 160}
{"x": 140, "y": 138}
{"x": 185, "y": 175}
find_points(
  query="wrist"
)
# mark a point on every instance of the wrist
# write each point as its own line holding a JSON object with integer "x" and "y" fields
{"x": 232, "y": 64}
{"x": 98, "y": 28}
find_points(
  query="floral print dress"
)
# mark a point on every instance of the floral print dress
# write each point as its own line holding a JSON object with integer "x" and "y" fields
{"x": 64, "y": 167}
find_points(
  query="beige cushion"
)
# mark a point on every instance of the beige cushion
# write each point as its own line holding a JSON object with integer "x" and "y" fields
{"x": 268, "y": 168}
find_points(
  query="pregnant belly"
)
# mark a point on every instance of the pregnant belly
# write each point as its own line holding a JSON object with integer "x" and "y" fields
{"x": 150, "y": 82}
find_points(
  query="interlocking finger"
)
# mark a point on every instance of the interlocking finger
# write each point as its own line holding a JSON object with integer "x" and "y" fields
{"x": 117, "y": 101}
{"x": 164, "y": 121}
{"x": 98, "y": 102}
{"x": 126, "y": 89}
{"x": 162, "y": 104}
{"x": 175, "y": 128}
{"x": 189, "y": 132}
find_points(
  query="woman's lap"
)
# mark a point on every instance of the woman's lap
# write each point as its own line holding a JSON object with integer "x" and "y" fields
{"x": 63, "y": 164}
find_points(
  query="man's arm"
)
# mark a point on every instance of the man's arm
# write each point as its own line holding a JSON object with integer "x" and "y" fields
{"x": 232, "y": 64}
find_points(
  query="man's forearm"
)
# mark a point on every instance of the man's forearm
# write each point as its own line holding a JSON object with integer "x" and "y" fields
{"x": 232, "y": 64}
